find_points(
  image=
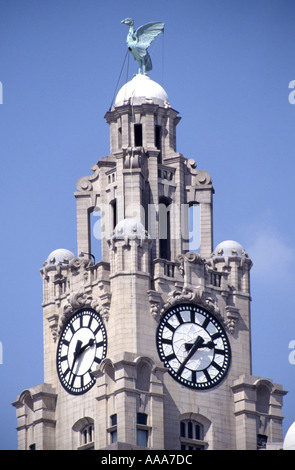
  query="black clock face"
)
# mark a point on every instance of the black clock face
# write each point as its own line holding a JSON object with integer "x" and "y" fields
{"x": 82, "y": 346}
{"x": 193, "y": 346}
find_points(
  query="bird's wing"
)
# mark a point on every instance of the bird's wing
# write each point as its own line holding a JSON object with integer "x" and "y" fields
{"x": 146, "y": 34}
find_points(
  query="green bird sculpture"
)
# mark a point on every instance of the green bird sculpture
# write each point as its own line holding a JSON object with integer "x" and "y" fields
{"x": 139, "y": 41}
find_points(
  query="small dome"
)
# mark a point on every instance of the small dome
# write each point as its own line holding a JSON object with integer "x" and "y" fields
{"x": 129, "y": 228}
{"x": 141, "y": 89}
{"x": 229, "y": 248}
{"x": 59, "y": 256}
{"x": 289, "y": 441}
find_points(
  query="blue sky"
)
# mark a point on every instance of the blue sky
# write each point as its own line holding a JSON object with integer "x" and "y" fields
{"x": 226, "y": 66}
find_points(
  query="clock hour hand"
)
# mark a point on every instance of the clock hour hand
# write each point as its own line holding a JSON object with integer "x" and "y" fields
{"x": 77, "y": 351}
{"x": 209, "y": 345}
{"x": 89, "y": 344}
{"x": 196, "y": 345}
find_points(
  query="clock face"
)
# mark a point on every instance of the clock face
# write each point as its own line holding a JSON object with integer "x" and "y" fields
{"x": 82, "y": 346}
{"x": 193, "y": 346}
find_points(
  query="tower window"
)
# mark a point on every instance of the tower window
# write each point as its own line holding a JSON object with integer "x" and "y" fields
{"x": 261, "y": 441}
{"x": 120, "y": 137}
{"x": 216, "y": 279}
{"x": 142, "y": 430}
{"x": 95, "y": 234}
{"x": 138, "y": 135}
{"x": 191, "y": 433}
{"x": 87, "y": 434}
{"x": 113, "y": 429}
{"x": 114, "y": 213}
{"x": 164, "y": 230}
{"x": 158, "y": 141}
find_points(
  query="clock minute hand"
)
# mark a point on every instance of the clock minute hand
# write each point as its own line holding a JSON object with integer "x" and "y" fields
{"x": 76, "y": 354}
{"x": 199, "y": 341}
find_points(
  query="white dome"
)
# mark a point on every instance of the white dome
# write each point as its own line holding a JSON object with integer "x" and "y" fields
{"x": 129, "y": 228}
{"x": 289, "y": 441}
{"x": 141, "y": 89}
{"x": 59, "y": 256}
{"x": 229, "y": 248}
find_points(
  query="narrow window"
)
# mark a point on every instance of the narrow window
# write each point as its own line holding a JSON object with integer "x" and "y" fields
{"x": 141, "y": 418}
{"x": 113, "y": 429}
{"x": 164, "y": 230}
{"x": 138, "y": 135}
{"x": 142, "y": 430}
{"x": 87, "y": 434}
{"x": 120, "y": 138}
{"x": 142, "y": 437}
{"x": 263, "y": 399}
{"x": 261, "y": 441}
{"x": 114, "y": 213}
{"x": 191, "y": 433}
{"x": 114, "y": 420}
{"x": 158, "y": 141}
{"x": 194, "y": 227}
{"x": 95, "y": 234}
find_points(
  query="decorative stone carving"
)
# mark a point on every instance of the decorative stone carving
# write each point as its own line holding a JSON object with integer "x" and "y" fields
{"x": 232, "y": 316}
{"x": 200, "y": 177}
{"x": 75, "y": 301}
{"x": 155, "y": 300}
{"x": 132, "y": 157}
{"x": 53, "y": 325}
{"x": 85, "y": 183}
{"x": 196, "y": 295}
{"x": 191, "y": 257}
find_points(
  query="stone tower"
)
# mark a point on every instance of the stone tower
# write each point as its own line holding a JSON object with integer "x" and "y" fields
{"x": 146, "y": 335}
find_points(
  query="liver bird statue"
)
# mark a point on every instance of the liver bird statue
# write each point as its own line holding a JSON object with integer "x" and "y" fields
{"x": 138, "y": 42}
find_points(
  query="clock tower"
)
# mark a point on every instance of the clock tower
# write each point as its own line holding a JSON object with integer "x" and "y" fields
{"x": 147, "y": 327}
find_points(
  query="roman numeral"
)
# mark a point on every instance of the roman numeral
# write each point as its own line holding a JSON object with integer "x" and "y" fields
{"x": 219, "y": 351}
{"x": 170, "y": 327}
{"x": 167, "y": 341}
{"x": 170, "y": 357}
{"x": 65, "y": 373}
{"x": 90, "y": 321}
{"x": 207, "y": 375}
{"x": 179, "y": 318}
{"x": 216, "y": 335}
{"x": 217, "y": 366}
{"x": 97, "y": 330}
{"x": 205, "y": 323}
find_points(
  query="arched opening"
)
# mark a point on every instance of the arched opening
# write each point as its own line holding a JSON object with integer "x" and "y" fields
{"x": 262, "y": 399}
